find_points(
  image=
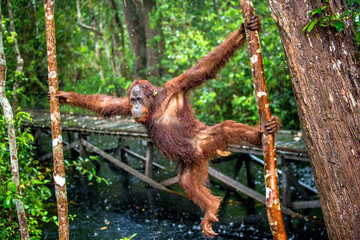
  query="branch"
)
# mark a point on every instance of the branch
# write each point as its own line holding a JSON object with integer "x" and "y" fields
{"x": 83, "y": 25}
{"x": 14, "y": 163}
{"x": 273, "y": 204}
{"x": 58, "y": 155}
{"x": 19, "y": 59}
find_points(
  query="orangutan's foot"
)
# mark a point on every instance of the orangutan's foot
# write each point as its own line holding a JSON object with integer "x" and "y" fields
{"x": 206, "y": 224}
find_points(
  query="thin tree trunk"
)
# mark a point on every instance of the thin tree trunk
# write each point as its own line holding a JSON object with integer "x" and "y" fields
{"x": 83, "y": 25}
{"x": 273, "y": 204}
{"x": 59, "y": 166}
{"x": 124, "y": 70}
{"x": 116, "y": 56}
{"x": 325, "y": 76}
{"x": 135, "y": 27}
{"x": 106, "y": 46}
{"x": 12, "y": 141}
{"x": 97, "y": 51}
{"x": 97, "y": 33}
{"x": 19, "y": 60}
{"x": 153, "y": 51}
{"x": 120, "y": 25}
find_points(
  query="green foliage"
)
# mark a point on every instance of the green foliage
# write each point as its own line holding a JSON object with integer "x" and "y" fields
{"x": 191, "y": 29}
{"x": 354, "y": 6}
{"x": 325, "y": 18}
{"x": 9, "y": 36}
{"x": 188, "y": 29}
{"x": 80, "y": 165}
{"x": 22, "y": 80}
{"x": 33, "y": 183}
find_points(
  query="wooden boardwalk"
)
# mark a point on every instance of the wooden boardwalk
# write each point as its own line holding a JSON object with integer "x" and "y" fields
{"x": 290, "y": 147}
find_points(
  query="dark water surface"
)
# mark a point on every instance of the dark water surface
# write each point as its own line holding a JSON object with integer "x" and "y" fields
{"x": 128, "y": 206}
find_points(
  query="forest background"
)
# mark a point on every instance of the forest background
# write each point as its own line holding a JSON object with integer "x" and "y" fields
{"x": 96, "y": 53}
{"x": 102, "y": 46}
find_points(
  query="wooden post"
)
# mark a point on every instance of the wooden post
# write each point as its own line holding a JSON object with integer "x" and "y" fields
{"x": 59, "y": 166}
{"x": 119, "y": 148}
{"x": 149, "y": 159}
{"x": 82, "y": 149}
{"x": 273, "y": 205}
{"x": 286, "y": 200}
{"x": 250, "y": 176}
{"x": 126, "y": 167}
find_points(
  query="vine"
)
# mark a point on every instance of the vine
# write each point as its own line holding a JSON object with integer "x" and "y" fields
{"x": 322, "y": 17}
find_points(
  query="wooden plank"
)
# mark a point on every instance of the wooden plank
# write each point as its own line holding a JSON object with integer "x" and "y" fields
{"x": 258, "y": 160}
{"x": 125, "y": 166}
{"x": 149, "y": 159}
{"x": 242, "y": 188}
{"x": 170, "y": 181}
{"x": 67, "y": 147}
{"x": 288, "y": 153}
{"x": 305, "y": 204}
{"x": 296, "y": 183}
{"x": 236, "y": 185}
{"x": 110, "y": 132}
{"x": 142, "y": 158}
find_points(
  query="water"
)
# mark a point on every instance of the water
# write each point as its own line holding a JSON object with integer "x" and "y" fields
{"x": 128, "y": 206}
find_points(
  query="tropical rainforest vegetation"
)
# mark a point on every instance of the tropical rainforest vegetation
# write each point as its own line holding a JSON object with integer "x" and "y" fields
{"x": 97, "y": 53}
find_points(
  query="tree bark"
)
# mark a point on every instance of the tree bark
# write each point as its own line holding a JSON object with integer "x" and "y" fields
{"x": 153, "y": 50}
{"x": 273, "y": 204}
{"x": 135, "y": 27}
{"x": 119, "y": 24}
{"x": 57, "y": 144}
{"x": 97, "y": 33}
{"x": 19, "y": 59}
{"x": 14, "y": 163}
{"x": 106, "y": 46}
{"x": 119, "y": 43}
{"x": 325, "y": 77}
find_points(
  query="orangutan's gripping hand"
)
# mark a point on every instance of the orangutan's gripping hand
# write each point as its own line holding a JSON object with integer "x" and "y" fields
{"x": 64, "y": 97}
{"x": 273, "y": 125}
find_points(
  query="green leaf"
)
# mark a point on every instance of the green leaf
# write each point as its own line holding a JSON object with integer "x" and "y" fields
{"x": 7, "y": 203}
{"x": 90, "y": 177}
{"x": 11, "y": 186}
{"x": 30, "y": 136}
{"x": 339, "y": 25}
{"x": 311, "y": 25}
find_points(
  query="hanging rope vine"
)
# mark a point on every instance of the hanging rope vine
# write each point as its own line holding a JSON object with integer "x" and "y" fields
{"x": 273, "y": 204}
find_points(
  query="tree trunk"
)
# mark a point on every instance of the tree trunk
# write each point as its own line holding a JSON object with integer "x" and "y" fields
{"x": 14, "y": 163}
{"x": 119, "y": 43}
{"x": 325, "y": 78}
{"x": 97, "y": 51}
{"x": 57, "y": 143}
{"x": 273, "y": 204}
{"x": 19, "y": 59}
{"x": 153, "y": 50}
{"x": 135, "y": 27}
{"x": 106, "y": 46}
{"x": 97, "y": 33}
